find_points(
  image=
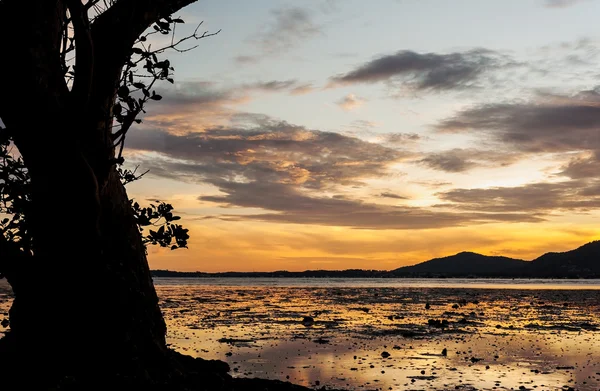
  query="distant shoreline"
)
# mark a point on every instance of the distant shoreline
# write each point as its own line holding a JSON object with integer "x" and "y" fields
{"x": 384, "y": 274}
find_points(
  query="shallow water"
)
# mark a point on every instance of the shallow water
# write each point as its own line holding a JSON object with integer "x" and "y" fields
{"x": 485, "y": 283}
{"x": 495, "y": 338}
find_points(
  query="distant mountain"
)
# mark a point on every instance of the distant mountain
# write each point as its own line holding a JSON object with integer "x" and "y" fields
{"x": 463, "y": 264}
{"x": 583, "y": 262}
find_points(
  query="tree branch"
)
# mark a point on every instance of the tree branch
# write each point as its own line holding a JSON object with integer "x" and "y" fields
{"x": 84, "y": 57}
{"x": 126, "y": 20}
{"x": 114, "y": 33}
{"x": 31, "y": 31}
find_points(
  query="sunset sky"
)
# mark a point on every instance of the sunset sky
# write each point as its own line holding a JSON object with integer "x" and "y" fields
{"x": 330, "y": 134}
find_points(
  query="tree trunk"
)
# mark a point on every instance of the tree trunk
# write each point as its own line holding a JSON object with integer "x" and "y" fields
{"x": 88, "y": 287}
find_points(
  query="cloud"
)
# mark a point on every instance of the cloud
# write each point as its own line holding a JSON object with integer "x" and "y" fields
{"x": 282, "y": 172}
{"x": 387, "y": 194}
{"x": 259, "y": 148}
{"x": 538, "y": 198}
{"x": 581, "y": 167}
{"x": 194, "y": 106}
{"x": 293, "y": 87}
{"x": 350, "y": 102}
{"x": 273, "y": 85}
{"x": 451, "y": 161}
{"x": 289, "y": 27}
{"x": 400, "y": 138}
{"x": 246, "y": 59}
{"x": 555, "y": 123}
{"x": 289, "y": 205}
{"x": 427, "y": 71}
{"x": 302, "y": 89}
{"x": 461, "y": 160}
{"x": 561, "y": 3}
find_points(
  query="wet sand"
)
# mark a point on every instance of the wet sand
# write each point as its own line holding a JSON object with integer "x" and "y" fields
{"x": 384, "y": 338}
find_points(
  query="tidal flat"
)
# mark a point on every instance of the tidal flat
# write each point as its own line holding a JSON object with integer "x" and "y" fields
{"x": 389, "y": 338}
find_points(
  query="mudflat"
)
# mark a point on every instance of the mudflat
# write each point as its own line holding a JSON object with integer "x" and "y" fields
{"x": 387, "y": 338}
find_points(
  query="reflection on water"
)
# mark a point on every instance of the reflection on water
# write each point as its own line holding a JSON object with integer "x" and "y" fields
{"x": 492, "y": 338}
{"x": 369, "y": 336}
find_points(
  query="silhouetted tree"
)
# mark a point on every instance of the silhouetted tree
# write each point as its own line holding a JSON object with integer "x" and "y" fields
{"x": 74, "y": 77}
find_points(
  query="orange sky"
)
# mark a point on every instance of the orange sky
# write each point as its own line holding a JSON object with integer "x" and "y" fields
{"x": 330, "y": 136}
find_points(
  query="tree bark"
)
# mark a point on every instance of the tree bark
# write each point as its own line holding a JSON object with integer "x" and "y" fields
{"x": 88, "y": 286}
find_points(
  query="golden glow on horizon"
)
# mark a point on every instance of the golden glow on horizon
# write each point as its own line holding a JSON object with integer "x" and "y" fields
{"x": 254, "y": 246}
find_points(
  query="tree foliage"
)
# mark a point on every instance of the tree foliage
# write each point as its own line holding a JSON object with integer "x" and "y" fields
{"x": 143, "y": 69}
{"x": 155, "y": 222}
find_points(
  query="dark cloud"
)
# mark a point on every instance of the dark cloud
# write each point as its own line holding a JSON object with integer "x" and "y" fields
{"x": 289, "y": 205}
{"x": 562, "y": 3}
{"x": 536, "y": 198}
{"x": 552, "y": 124}
{"x": 461, "y": 160}
{"x": 289, "y": 27}
{"x": 387, "y": 194}
{"x": 583, "y": 167}
{"x": 448, "y": 161}
{"x": 400, "y": 138}
{"x": 427, "y": 71}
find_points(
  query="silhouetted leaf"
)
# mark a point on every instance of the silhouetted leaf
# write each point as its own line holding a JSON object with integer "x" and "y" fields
{"x": 123, "y": 91}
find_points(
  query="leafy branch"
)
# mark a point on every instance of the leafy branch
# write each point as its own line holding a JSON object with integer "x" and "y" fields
{"x": 141, "y": 72}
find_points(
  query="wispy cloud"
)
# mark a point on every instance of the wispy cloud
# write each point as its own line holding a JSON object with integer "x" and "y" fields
{"x": 388, "y": 194}
{"x": 562, "y": 3}
{"x": 399, "y": 139}
{"x": 350, "y": 102}
{"x": 293, "y": 87}
{"x": 288, "y": 27}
